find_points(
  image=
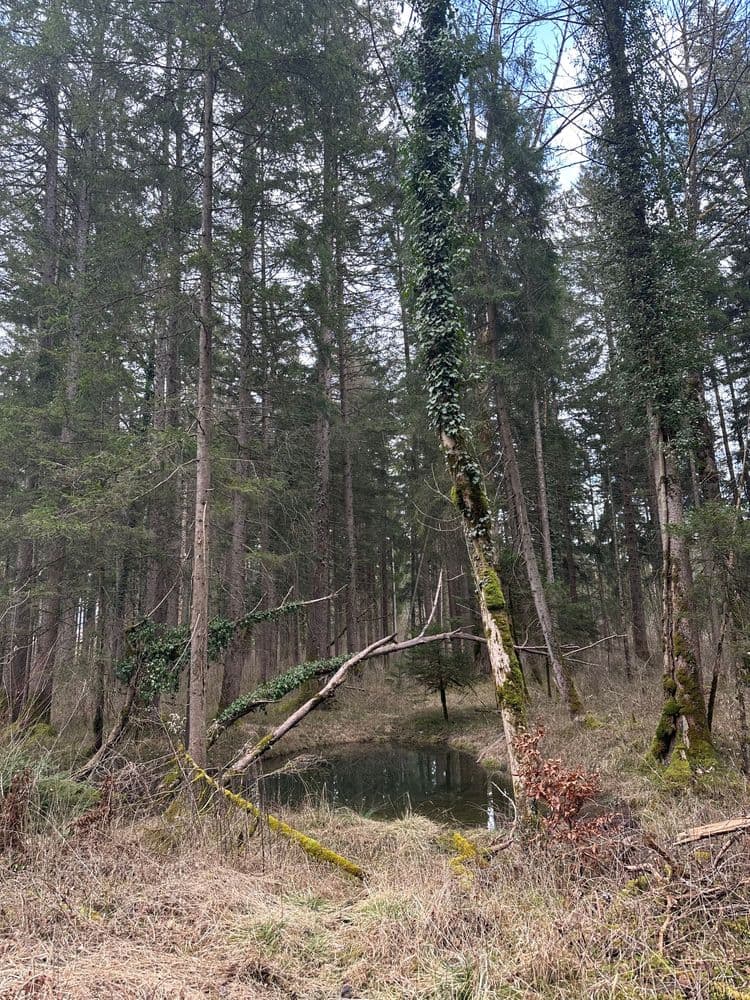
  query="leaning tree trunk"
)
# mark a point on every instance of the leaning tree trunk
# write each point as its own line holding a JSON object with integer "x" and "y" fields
{"x": 200, "y": 587}
{"x": 560, "y": 669}
{"x": 431, "y": 209}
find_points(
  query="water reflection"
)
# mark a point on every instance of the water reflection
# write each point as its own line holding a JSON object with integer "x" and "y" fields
{"x": 387, "y": 781}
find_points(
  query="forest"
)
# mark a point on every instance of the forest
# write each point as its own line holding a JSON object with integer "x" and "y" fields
{"x": 374, "y": 499}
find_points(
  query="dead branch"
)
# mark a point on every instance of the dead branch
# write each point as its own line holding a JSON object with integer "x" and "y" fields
{"x": 569, "y": 651}
{"x": 438, "y": 591}
{"x": 718, "y": 829}
{"x": 249, "y": 703}
{"x": 115, "y": 734}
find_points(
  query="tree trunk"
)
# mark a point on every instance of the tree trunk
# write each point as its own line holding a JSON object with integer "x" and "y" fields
{"x": 741, "y": 668}
{"x": 682, "y": 733}
{"x": 162, "y": 583}
{"x": 635, "y": 583}
{"x": 432, "y": 209}
{"x": 38, "y": 690}
{"x": 320, "y": 638}
{"x": 618, "y": 580}
{"x": 231, "y": 681}
{"x": 344, "y": 343}
{"x": 729, "y": 458}
{"x": 560, "y": 669}
{"x": 201, "y": 571}
{"x": 541, "y": 479}
{"x": 683, "y": 727}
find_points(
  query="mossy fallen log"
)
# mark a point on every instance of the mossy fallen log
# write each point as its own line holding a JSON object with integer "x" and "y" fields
{"x": 309, "y": 845}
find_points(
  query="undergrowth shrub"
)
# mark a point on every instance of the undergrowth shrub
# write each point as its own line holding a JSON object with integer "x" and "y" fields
{"x": 34, "y": 792}
{"x": 560, "y": 792}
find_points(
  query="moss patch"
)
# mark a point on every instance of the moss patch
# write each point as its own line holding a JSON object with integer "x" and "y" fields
{"x": 511, "y": 693}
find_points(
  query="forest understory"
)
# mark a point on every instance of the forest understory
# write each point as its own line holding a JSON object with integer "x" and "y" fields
{"x": 147, "y": 904}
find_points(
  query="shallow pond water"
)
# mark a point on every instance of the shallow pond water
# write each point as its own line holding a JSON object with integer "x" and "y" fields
{"x": 389, "y": 780}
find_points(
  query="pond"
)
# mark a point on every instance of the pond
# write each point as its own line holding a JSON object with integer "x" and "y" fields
{"x": 387, "y": 781}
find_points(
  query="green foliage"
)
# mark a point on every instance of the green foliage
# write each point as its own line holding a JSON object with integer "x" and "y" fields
{"x": 159, "y": 653}
{"x": 275, "y": 689}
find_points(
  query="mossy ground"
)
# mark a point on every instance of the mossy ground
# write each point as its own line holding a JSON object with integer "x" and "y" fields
{"x": 205, "y": 907}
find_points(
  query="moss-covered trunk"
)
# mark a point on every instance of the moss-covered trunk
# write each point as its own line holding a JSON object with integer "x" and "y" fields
{"x": 682, "y": 736}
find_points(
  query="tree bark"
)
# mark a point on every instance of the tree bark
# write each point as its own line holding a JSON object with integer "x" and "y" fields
{"x": 201, "y": 552}
{"x": 17, "y": 677}
{"x": 635, "y": 583}
{"x": 231, "y": 682}
{"x": 682, "y": 733}
{"x": 729, "y": 458}
{"x": 161, "y": 582}
{"x": 541, "y": 479}
{"x": 432, "y": 208}
{"x": 618, "y": 580}
{"x": 320, "y": 638}
{"x": 560, "y": 669}
{"x": 683, "y": 726}
{"x": 38, "y": 689}
{"x": 344, "y": 344}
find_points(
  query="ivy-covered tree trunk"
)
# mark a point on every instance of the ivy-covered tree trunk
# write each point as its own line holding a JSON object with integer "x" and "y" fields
{"x": 682, "y": 735}
{"x": 201, "y": 572}
{"x": 431, "y": 208}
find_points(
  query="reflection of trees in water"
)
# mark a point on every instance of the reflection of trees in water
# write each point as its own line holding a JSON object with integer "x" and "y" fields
{"x": 388, "y": 781}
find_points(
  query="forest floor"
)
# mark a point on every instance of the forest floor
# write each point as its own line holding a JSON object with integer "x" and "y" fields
{"x": 186, "y": 907}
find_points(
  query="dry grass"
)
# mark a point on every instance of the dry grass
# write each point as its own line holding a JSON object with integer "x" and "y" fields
{"x": 195, "y": 907}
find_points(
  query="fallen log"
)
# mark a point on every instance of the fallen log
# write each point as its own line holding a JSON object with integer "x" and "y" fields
{"x": 718, "y": 829}
{"x": 312, "y": 847}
